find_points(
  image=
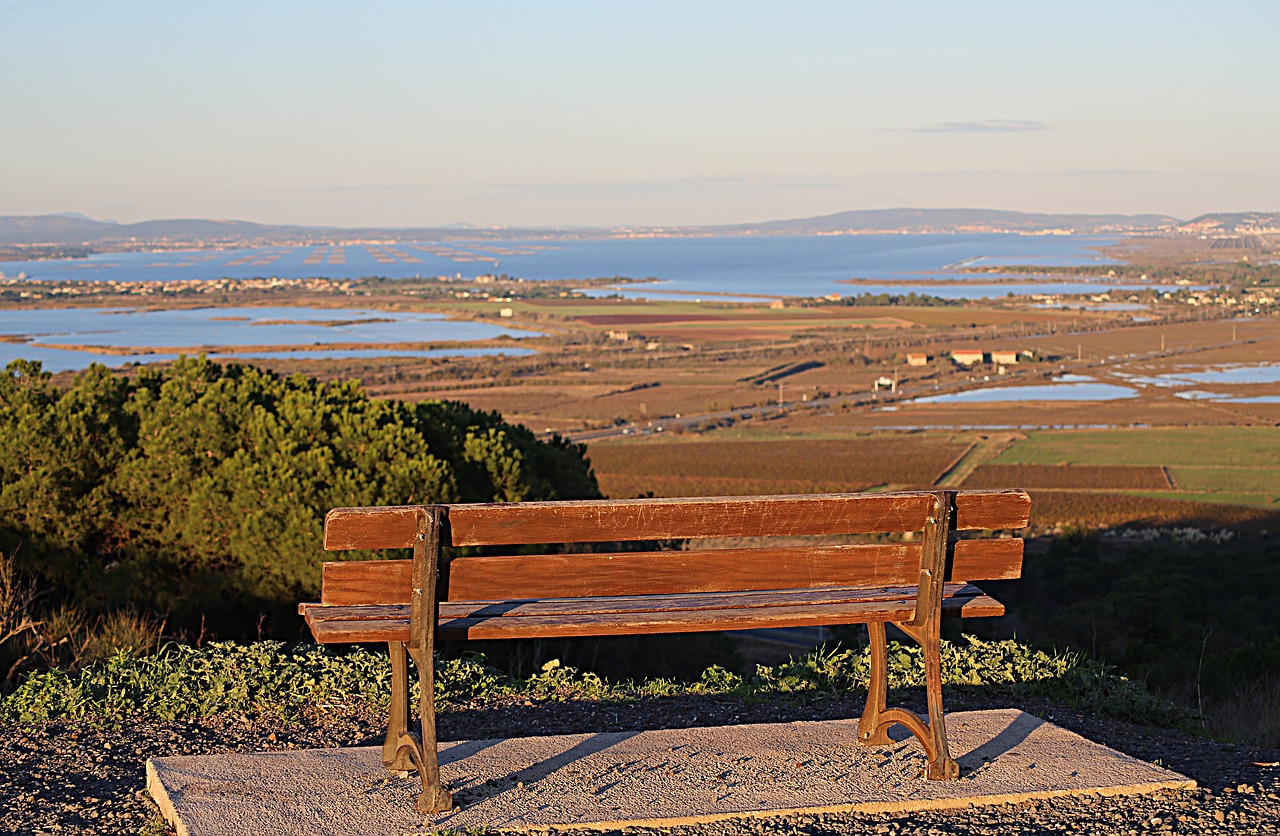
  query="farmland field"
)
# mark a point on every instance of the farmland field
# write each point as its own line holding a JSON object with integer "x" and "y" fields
{"x": 1245, "y": 447}
{"x": 1106, "y": 479}
{"x": 708, "y": 466}
{"x": 1077, "y": 477}
{"x": 1091, "y": 511}
{"x": 1221, "y": 476}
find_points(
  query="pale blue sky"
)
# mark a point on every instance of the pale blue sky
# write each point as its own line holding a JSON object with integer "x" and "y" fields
{"x": 415, "y": 113}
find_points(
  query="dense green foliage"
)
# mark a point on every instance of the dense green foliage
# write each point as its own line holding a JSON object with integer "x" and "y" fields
{"x": 268, "y": 679}
{"x": 199, "y": 492}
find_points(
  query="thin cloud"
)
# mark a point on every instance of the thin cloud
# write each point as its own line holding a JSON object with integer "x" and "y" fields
{"x": 986, "y": 126}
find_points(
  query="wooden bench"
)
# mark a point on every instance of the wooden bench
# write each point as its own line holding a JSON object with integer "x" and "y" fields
{"x": 910, "y": 583}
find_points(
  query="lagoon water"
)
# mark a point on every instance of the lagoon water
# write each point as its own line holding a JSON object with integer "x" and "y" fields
{"x": 738, "y": 268}
{"x": 61, "y": 360}
{"x": 193, "y": 328}
{"x": 736, "y": 265}
{"x": 239, "y": 326}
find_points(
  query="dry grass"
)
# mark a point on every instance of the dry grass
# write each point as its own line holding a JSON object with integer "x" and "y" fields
{"x": 1250, "y": 715}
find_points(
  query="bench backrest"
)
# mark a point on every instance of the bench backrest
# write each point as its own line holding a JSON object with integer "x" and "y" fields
{"x": 524, "y": 577}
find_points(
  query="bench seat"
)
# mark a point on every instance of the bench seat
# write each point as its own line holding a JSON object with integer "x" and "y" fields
{"x": 638, "y": 614}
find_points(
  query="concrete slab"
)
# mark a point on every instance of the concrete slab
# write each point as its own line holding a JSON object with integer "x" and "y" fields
{"x": 652, "y": 778}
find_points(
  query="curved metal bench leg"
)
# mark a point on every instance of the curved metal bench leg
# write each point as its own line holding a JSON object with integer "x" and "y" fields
{"x": 925, "y": 629}
{"x": 394, "y": 757}
{"x": 873, "y": 728}
{"x": 942, "y": 767}
{"x": 871, "y": 731}
{"x": 422, "y": 748}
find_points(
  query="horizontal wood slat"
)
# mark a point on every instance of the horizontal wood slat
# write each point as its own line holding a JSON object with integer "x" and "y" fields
{"x": 512, "y": 608}
{"x": 390, "y": 527}
{"x": 667, "y": 519}
{"x": 661, "y": 573}
{"x": 332, "y": 625}
{"x": 663, "y": 519}
{"x": 366, "y": 582}
{"x": 994, "y": 510}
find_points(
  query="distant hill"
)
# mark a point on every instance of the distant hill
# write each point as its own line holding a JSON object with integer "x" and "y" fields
{"x": 1234, "y": 222}
{"x": 48, "y": 229}
{"x": 71, "y": 228}
{"x": 959, "y": 220}
{"x": 74, "y": 229}
{"x": 68, "y": 229}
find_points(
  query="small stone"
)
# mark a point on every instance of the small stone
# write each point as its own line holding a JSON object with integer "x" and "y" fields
{"x": 1219, "y": 816}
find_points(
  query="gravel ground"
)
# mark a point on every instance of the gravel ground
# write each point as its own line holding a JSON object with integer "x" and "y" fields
{"x": 76, "y": 777}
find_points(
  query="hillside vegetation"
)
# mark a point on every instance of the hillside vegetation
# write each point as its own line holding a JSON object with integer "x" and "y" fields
{"x": 197, "y": 493}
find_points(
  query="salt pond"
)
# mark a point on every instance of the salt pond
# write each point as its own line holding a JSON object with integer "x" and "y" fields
{"x": 1072, "y": 388}
{"x": 1224, "y": 375}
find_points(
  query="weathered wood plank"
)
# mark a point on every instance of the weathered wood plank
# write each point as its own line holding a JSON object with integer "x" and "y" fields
{"x": 666, "y": 519}
{"x": 333, "y": 631}
{"x": 977, "y": 510}
{"x": 663, "y": 573}
{"x": 366, "y": 582}
{"x": 662, "y": 519}
{"x": 638, "y": 603}
{"x": 388, "y": 527}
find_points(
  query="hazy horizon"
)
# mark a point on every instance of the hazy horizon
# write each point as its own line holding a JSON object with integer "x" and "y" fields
{"x": 569, "y": 114}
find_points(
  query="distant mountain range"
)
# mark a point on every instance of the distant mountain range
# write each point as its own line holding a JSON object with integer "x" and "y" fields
{"x": 72, "y": 229}
{"x": 957, "y": 220}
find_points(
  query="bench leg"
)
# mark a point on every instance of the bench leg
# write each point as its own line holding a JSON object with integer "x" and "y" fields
{"x": 423, "y": 618}
{"x": 873, "y": 728}
{"x": 870, "y": 730}
{"x": 405, "y": 749}
{"x": 434, "y": 798}
{"x": 394, "y": 757}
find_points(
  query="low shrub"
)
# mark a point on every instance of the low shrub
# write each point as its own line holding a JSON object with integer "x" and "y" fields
{"x": 270, "y": 679}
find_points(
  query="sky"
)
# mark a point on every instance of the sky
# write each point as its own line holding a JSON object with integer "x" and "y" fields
{"x": 654, "y": 113}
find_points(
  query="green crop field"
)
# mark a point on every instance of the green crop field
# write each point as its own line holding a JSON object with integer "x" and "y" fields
{"x": 1227, "y": 480}
{"x": 1248, "y": 447}
{"x": 1068, "y": 477}
{"x": 1224, "y": 466}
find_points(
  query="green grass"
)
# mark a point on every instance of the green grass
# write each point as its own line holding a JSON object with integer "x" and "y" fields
{"x": 269, "y": 679}
{"x": 1220, "y": 465}
{"x": 1242, "y": 447}
{"x": 1250, "y": 500}
{"x": 1238, "y": 480}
